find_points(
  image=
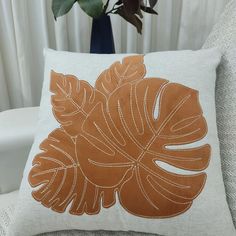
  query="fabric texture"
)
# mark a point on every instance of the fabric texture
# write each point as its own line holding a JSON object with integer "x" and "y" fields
{"x": 208, "y": 215}
{"x": 95, "y": 233}
{"x": 223, "y": 36}
{"x": 29, "y": 27}
{"x": 7, "y": 206}
{"x": 17, "y": 129}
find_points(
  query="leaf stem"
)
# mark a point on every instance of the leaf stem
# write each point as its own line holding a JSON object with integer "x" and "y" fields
{"x": 106, "y": 6}
{"x": 113, "y": 9}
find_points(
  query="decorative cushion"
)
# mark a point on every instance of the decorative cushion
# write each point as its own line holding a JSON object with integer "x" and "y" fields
{"x": 223, "y": 36}
{"x": 17, "y": 127}
{"x": 126, "y": 143}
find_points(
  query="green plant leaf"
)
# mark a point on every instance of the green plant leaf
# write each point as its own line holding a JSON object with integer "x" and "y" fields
{"x": 131, "y": 18}
{"x": 93, "y": 8}
{"x": 61, "y": 7}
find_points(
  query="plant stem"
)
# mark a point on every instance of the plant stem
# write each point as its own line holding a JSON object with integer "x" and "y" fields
{"x": 113, "y": 9}
{"x": 106, "y": 6}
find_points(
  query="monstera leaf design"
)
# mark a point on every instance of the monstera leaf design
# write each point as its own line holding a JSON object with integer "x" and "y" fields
{"x": 126, "y": 138}
{"x": 131, "y": 70}
{"x": 57, "y": 171}
{"x": 123, "y": 138}
{"x": 72, "y": 100}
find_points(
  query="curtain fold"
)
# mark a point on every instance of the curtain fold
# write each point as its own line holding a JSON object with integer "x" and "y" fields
{"x": 28, "y": 26}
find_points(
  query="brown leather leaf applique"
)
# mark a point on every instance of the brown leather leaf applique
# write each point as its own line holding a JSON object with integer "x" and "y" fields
{"x": 73, "y": 99}
{"x": 122, "y": 140}
{"x": 131, "y": 70}
{"x": 58, "y": 173}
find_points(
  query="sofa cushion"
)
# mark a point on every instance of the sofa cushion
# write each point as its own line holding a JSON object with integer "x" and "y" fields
{"x": 223, "y": 36}
{"x": 17, "y": 128}
{"x": 7, "y": 206}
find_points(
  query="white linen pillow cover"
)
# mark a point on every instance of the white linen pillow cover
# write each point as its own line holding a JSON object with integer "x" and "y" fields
{"x": 209, "y": 214}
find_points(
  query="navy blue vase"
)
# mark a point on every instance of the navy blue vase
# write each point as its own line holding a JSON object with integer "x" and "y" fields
{"x": 102, "y": 41}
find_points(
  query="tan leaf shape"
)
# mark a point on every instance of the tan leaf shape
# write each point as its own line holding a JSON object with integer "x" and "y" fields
{"x": 114, "y": 144}
{"x": 73, "y": 99}
{"x": 130, "y": 70}
{"x": 59, "y": 180}
{"x": 125, "y": 139}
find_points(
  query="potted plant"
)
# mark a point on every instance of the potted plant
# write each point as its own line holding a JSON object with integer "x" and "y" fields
{"x": 102, "y": 37}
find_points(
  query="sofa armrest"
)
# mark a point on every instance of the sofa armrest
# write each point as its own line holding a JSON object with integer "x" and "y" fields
{"x": 17, "y": 128}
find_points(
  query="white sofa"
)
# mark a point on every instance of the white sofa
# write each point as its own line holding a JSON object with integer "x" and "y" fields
{"x": 16, "y": 137}
{"x": 17, "y": 128}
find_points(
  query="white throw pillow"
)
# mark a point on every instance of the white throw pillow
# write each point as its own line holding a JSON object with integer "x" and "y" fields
{"x": 223, "y": 36}
{"x": 138, "y": 153}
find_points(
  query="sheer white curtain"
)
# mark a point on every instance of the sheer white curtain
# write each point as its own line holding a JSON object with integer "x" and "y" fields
{"x": 27, "y": 26}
